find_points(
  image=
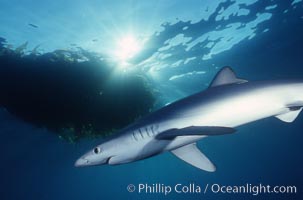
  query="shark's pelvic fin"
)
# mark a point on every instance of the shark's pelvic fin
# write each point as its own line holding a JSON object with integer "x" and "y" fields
{"x": 289, "y": 116}
{"x": 193, "y": 156}
{"x": 226, "y": 76}
{"x": 294, "y": 111}
{"x": 194, "y": 131}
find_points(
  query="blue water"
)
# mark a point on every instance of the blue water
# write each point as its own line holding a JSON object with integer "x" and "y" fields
{"x": 259, "y": 39}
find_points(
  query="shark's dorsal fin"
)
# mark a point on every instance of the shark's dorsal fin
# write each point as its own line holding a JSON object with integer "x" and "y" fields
{"x": 226, "y": 76}
{"x": 193, "y": 156}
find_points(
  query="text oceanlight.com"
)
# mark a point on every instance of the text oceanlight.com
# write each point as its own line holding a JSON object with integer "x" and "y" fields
{"x": 194, "y": 188}
{"x": 252, "y": 189}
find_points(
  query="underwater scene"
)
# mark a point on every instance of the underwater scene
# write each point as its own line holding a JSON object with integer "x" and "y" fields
{"x": 164, "y": 99}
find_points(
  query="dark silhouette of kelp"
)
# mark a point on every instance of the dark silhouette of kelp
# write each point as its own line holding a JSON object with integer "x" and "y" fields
{"x": 74, "y": 93}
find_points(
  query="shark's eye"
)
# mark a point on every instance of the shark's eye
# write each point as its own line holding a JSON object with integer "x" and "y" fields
{"x": 97, "y": 150}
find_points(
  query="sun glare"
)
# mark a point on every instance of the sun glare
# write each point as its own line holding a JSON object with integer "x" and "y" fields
{"x": 127, "y": 48}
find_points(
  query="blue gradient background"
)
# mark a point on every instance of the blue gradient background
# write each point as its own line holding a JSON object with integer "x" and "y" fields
{"x": 36, "y": 164}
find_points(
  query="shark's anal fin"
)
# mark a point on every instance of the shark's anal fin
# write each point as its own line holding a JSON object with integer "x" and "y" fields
{"x": 226, "y": 76}
{"x": 194, "y": 131}
{"x": 193, "y": 156}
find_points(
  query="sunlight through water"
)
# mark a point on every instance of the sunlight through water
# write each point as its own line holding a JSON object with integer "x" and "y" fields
{"x": 127, "y": 47}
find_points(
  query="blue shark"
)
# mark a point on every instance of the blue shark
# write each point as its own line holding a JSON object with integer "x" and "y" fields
{"x": 229, "y": 102}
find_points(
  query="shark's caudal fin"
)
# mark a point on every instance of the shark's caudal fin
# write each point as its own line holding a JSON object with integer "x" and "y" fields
{"x": 193, "y": 156}
{"x": 226, "y": 76}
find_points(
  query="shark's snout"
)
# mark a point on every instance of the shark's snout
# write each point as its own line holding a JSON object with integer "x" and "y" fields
{"x": 81, "y": 162}
{"x": 88, "y": 160}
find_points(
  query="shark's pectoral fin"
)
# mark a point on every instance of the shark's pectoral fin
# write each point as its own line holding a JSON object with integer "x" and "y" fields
{"x": 193, "y": 156}
{"x": 194, "y": 131}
